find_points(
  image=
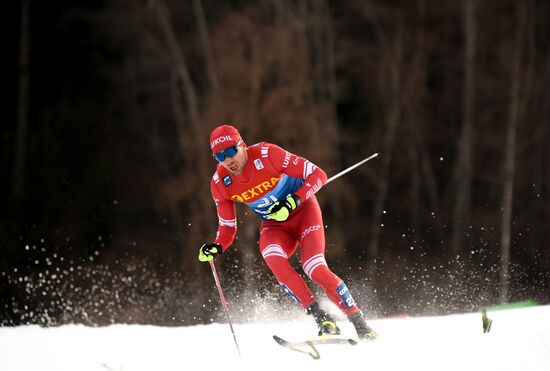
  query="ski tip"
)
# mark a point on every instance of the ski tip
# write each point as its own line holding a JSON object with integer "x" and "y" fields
{"x": 352, "y": 342}
{"x": 279, "y": 340}
{"x": 377, "y": 153}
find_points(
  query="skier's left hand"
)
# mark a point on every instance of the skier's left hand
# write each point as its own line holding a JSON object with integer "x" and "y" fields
{"x": 208, "y": 251}
{"x": 280, "y": 210}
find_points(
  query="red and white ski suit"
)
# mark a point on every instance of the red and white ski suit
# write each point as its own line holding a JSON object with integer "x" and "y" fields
{"x": 272, "y": 174}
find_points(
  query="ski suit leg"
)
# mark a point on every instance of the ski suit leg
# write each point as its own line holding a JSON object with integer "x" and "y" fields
{"x": 277, "y": 245}
{"x": 312, "y": 241}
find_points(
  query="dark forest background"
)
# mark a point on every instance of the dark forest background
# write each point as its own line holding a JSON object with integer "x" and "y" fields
{"x": 106, "y": 162}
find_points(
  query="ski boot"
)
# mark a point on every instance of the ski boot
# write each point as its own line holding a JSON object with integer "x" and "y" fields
{"x": 325, "y": 322}
{"x": 364, "y": 331}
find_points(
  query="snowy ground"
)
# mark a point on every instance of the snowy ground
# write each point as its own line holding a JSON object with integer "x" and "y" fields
{"x": 519, "y": 340}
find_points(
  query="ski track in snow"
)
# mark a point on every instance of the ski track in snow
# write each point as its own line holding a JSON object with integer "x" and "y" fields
{"x": 519, "y": 340}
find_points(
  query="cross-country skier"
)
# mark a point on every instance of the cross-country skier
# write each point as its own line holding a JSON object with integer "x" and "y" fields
{"x": 279, "y": 187}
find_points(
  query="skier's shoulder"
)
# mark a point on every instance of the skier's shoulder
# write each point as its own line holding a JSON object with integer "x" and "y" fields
{"x": 264, "y": 149}
{"x": 220, "y": 173}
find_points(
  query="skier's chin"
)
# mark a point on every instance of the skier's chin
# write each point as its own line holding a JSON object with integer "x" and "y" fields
{"x": 235, "y": 169}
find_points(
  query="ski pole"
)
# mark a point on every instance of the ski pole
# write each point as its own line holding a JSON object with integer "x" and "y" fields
{"x": 224, "y": 303}
{"x": 334, "y": 177}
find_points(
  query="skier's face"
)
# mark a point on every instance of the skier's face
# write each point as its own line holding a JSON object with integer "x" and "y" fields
{"x": 235, "y": 164}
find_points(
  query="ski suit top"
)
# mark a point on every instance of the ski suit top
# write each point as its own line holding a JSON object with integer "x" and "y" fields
{"x": 270, "y": 174}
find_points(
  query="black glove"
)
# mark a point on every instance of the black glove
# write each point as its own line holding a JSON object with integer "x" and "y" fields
{"x": 208, "y": 251}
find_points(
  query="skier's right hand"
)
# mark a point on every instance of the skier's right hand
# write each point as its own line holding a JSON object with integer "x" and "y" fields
{"x": 208, "y": 251}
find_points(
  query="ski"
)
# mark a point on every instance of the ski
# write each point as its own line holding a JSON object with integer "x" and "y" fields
{"x": 308, "y": 346}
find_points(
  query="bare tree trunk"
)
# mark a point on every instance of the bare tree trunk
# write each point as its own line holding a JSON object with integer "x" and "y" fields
{"x": 510, "y": 155}
{"x": 430, "y": 182}
{"x": 393, "y": 119}
{"x": 179, "y": 118}
{"x": 203, "y": 200}
{"x": 190, "y": 94}
{"x": 23, "y": 104}
{"x": 415, "y": 195}
{"x": 542, "y": 177}
{"x": 312, "y": 21}
{"x": 181, "y": 66}
{"x": 324, "y": 92}
{"x": 463, "y": 171}
{"x": 206, "y": 46}
{"x": 507, "y": 201}
{"x": 413, "y": 97}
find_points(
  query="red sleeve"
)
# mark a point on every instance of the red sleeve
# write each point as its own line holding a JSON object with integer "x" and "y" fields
{"x": 298, "y": 167}
{"x": 227, "y": 216}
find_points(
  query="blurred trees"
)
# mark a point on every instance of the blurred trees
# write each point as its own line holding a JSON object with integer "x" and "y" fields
{"x": 123, "y": 95}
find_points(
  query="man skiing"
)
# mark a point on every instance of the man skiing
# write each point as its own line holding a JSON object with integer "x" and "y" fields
{"x": 279, "y": 187}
